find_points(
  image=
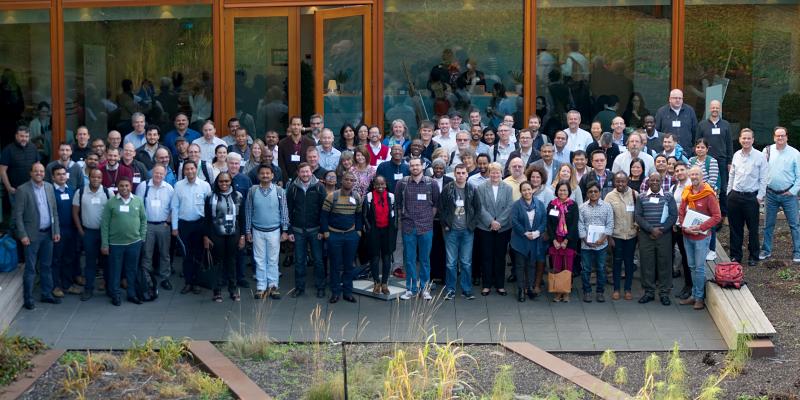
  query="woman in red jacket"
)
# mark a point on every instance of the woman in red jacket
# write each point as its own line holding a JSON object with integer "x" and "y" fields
{"x": 701, "y": 200}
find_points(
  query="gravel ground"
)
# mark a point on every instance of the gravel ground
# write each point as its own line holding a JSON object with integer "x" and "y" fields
{"x": 775, "y": 283}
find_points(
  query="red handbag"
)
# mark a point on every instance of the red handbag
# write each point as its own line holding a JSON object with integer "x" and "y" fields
{"x": 729, "y": 274}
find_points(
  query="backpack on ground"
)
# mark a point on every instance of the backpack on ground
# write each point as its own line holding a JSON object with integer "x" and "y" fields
{"x": 729, "y": 275}
{"x": 8, "y": 253}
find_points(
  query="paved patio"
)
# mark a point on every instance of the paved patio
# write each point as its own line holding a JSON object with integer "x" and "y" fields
{"x": 574, "y": 326}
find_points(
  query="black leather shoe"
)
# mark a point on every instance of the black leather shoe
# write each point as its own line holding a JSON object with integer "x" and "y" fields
{"x": 51, "y": 300}
{"x": 531, "y": 294}
{"x": 521, "y": 296}
{"x": 116, "y": 302}
{"x": 186, "y": 289}
{"x": 86, "y": 295}
{"x": 752, "y": 263}
{"x": 298, "y": 293}
{"x": 502, "y": 292}
{"x": 134, "y": 300}
{"x": 152, "y": 295}
{"x": 320, "y": 293}
{"x": 166, "y": 285}
{"x": 349, "y": 299}
{"x": 665, "y": 300}
{"x": 333, "y": 299}
{"x": 646, "y": 299}
{"x": 29, "y": 306}
{"x": 512, "y": 278}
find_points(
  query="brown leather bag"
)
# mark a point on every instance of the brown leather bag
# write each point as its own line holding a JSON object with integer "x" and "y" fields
{"x": 559, "y": 283}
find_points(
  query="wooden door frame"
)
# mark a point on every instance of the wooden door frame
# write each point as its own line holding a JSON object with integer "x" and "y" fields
{"x": 364, "y": 11}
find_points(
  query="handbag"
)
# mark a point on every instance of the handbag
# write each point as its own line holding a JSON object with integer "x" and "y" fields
{"x": 8, "y": 253}
{"x": 560, "y": 283}
{"x": 206, "y": 275}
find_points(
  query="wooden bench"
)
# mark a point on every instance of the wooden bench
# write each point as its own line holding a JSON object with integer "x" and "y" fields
{"x": 10, "y": 296}
{"x": 736, "y": 312}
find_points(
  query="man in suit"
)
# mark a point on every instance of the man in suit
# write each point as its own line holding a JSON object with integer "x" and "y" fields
{"x": 547, "y": 162}
{"x": 37, "y": 228}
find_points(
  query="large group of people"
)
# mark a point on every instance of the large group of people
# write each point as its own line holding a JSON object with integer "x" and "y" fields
{"x": 450, "y": 206}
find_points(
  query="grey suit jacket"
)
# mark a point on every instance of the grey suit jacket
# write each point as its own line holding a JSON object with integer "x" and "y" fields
{"x": 26, "y": 212}
{"x": 550, "y": 171}
{"x": 492, "y": 210}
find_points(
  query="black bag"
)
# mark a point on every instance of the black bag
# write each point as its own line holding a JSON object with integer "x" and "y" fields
{"x": 205, "y": 275}
{"x": 146, "y": 289}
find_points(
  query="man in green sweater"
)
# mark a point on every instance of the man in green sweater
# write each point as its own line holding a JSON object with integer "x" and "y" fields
{"x": 122, "y": 230}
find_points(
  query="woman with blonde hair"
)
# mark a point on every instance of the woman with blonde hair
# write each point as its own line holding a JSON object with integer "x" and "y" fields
{"x": 345, "y": 163}
{"x": 399, "y": 135}
{"x": 567, "y": 173}
{"x": 256, "y": 155}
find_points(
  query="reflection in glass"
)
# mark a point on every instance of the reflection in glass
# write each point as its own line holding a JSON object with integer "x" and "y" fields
{"x": 343, "y": 71}
{"x": 448, "y": 55}
{"x": 752, "y": 65}
{"x": 25, "y": 97}
{"x": 610, "y": 59}
{"x": 124, "y": 60}
{"x": 262, "y": 73}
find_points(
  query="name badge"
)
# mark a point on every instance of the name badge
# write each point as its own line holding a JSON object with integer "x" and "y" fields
{"x": 459, "y": 203}
{"x": 295, "y": 158}
{"x": 654, "y": 200}
{"x": 198, "y": 198}
{"x": 155, "y": 203}
{"x": 95, "y": 201}
{"x": 676, "y": 124}
{"x": 715, "y": 131}
{"x": 397, "y": 177}
{"x": 422, "y": 196}
{"x": 352, "y": 200}
{"x": 629, "y": 208}
{"x": 554, "y": 212}
{"x": 64, "y": 196}
{"x": 228, "y": 217}
{"x": 124, "y": 208}
{"x": 137, "y": 179}
{"x": 67, "y": 175}
{"x": 112, "y": 189}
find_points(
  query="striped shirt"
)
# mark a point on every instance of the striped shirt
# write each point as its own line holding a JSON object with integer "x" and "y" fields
{"x": 342, "y": 216}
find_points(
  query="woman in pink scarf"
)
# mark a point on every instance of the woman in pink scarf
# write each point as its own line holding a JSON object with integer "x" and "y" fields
{"x": 562, "y": 232}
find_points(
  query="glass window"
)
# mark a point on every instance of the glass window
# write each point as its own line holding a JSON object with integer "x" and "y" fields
{"x": 25, "y": 97}
{"x": 452, "y": 55}
{"x": 603, "y": 61}
{"x": 120, "y": 61}
{"x": 752, "y": 65}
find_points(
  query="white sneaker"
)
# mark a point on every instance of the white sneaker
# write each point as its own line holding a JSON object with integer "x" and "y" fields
{"x": 426, "y": 295}
{"x": 711, "y": 256}
{"x": 407, "y": 295}
{"x": 796, "y": 259}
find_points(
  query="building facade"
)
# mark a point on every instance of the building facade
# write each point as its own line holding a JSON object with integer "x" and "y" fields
{"x": 67, "y": 63}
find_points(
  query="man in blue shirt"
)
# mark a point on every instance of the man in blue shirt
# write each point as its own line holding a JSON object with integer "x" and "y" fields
{"x": 181, "y": 129}
{"x": 784, "y": 184}
{"x": 188, "y": 211}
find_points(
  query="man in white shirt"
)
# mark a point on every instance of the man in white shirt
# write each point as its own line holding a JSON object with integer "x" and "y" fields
{"x": 746, "y": 190}
{"x": 577, "y": 138}
{"x": 502, "y": 150}
{"x": 208, "y": 142}
{"x": 445, "y": 135}
{"x": 623, "y": 161}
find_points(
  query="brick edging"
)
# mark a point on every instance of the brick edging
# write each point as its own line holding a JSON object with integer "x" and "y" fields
{"x": 41, "y": 363}
{"x": 567, "y": 371}
{"x": 217, "y": 364}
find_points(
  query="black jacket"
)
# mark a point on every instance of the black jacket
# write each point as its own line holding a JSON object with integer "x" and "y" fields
{"x": 447, "y": 206}
{"x": 607, "y": 187}
{"x": 304, "y": 206}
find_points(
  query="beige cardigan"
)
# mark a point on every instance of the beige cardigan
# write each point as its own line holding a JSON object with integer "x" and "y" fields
{"x": 622, "y": 204}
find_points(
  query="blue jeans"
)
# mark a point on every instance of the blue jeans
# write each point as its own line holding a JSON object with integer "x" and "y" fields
{"x": 123, "y": 259}
{"x": 266, "y": 251}
{"x": 591, "y": 258}
{"x": 789, "y": 205}
{"x": 301, "y": 242}
{"x": 623, "y": 253}
{"x": 696, "y": 251}
{"x": 412, "y": 241}
{"x": 91, "y": 248}
{"x": 458, "y": 244}
{"x": 39, "y": 251}
{"x": 342, "y": 252}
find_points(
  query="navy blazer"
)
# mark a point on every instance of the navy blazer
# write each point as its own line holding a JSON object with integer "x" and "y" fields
{"x": 521, "y": 224}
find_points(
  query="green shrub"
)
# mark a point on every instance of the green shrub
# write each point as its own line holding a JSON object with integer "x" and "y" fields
{"x": 15, "y": 355}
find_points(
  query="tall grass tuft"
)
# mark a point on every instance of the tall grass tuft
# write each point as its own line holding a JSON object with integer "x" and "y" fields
{"x": 503, "y": 388}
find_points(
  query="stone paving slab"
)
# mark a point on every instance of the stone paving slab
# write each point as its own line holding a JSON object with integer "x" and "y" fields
{"x": 574, "y": 326}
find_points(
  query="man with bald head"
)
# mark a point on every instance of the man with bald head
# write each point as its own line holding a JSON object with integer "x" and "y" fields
{"x": 678, "y": 118}
{"x": 717, "y": 132}
{"x": 114, "y": 140}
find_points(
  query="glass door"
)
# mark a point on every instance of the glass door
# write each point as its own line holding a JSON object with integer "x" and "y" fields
{"x": 343, "y": 65}
{"x": 261, "y": 54}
